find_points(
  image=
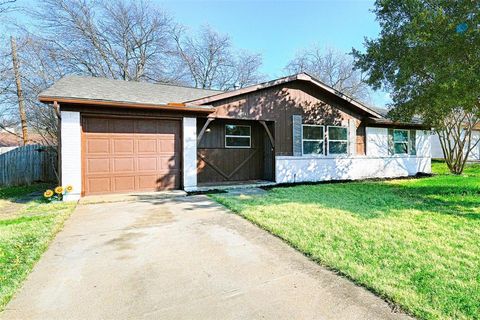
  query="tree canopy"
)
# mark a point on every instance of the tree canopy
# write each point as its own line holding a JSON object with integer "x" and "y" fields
{"x": 427, "y": 55}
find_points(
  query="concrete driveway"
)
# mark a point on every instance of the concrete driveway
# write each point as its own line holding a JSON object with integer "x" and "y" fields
{"x": 181, "y": 258}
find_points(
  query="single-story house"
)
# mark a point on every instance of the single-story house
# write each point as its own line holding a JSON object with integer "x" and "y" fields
{"x": 119, "y": 136}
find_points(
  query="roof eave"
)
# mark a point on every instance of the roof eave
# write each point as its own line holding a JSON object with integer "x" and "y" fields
{"x": 391, "y": 123}
{"x": 123, "y": 104}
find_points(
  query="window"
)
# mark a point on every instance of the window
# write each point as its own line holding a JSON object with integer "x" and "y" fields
{"x": 400, "y": 141}
{"x": 237, "y": 136}
{"x": 312, "y": 139}
{"x": 337, "y": 140}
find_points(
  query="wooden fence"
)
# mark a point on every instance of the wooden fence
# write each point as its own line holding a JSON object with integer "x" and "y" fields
{"x": 28, "y": 164}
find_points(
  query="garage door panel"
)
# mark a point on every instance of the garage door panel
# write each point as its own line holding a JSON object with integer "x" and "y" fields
{"x": 98, "y": 185}
{"x": 167, "y": 146}
{"x": 147, "y": 145}
{"x": 169, "y": 181}
{"x": 123, "y": 165}
{"x": 168, "y": 162}
{"x": 147, "y": 164}
{"x": 124, "y": 183}
{"x": 97, "y": 165}
{"x": 124, "y": 146}
{"x": 97, "y": 146}
{"x": 148, "y": 182}
{"x": 126, "y": 155}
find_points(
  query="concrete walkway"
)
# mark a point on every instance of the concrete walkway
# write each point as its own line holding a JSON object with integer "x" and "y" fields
{"x": 181, "y": 258}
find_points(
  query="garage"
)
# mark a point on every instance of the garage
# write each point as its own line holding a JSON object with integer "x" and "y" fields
{"x": 123, "y": 154}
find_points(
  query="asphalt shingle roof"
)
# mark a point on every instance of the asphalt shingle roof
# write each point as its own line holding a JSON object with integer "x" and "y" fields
{"x": 91, "y": 88}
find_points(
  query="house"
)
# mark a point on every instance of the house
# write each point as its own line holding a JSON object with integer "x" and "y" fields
{"x": 437, "y": 152}
{"x": 119, "y": 136}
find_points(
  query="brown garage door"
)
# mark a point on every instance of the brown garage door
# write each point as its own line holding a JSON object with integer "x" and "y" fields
{"x": 127, "y": 155}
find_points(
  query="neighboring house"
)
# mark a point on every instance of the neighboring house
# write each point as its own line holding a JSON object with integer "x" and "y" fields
{"x": 119, "y": 136}
{"x": 437, "y": 152}
{"x": 10, "y": 140}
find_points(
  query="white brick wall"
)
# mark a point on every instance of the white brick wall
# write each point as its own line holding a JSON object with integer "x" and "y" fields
{"x": 377, "y": 142}
{"x": 190, "y": 154}
{"x": 310, "y": 169}
{"x": 376, "y": 164}
{"x": 71, "y": 153}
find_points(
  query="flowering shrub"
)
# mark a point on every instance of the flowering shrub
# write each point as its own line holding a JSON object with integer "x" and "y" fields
{"x": 58, "y": 193}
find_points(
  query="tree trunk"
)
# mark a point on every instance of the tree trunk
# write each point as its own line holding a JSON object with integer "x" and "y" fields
{"x": 21, "y": 100}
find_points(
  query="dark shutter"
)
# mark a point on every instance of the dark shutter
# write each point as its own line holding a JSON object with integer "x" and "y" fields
{"x": 297, "y": 135}
{"x": 412, "y": 143}
{"x": 390, "y": 142}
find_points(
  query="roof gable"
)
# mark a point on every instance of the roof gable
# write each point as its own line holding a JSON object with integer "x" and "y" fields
{"x": 298, "y": 77}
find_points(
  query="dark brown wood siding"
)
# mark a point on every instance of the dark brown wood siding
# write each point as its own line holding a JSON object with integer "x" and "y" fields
{"x": 280, "y": 103}
{"x": 216, "y": 163}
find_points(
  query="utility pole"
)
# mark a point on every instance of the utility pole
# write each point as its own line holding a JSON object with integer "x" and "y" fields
{"x": 21, "y": 100}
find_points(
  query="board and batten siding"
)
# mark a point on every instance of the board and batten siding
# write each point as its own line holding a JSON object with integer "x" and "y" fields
{"x": 286, "y": 103}
{"x": 218, "y": 163}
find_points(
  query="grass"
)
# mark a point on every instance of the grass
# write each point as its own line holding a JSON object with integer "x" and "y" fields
{"x": 26, "y": 235}
{"x": 414, "y": 242}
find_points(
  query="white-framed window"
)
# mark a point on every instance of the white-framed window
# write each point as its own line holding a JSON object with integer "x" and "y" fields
{"x": 312, "y": 139}
{"x": 400, "y": 141}
{"x": 238, "y": 136}
{"x": 337, "y": 140}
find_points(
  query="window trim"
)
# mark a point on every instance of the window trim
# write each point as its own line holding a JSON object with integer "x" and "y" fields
{"x": 238, "y": 136}
{"x": 407, "y": 142}
{"x": 334, "y": 140}
{"x": 322, "y": 140}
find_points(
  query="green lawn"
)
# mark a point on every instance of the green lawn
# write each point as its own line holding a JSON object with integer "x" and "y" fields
{"x": 415, "y": 242}
{"x": 25, "y": 234}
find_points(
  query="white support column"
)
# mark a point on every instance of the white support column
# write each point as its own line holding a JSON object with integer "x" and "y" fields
{"x": 189, "y": 154}
{"x": 71, "y": 153}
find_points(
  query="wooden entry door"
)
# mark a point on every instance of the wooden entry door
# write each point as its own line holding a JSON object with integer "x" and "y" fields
{"x": 130, "y": 154}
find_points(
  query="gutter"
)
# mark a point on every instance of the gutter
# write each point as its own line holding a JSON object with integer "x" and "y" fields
{"x": 122, "y": 104}
{"x": 396, "y": 124}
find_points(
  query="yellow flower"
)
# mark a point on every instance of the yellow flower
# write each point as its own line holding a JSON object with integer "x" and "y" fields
{"x": 59, "y": 190}
{"x": 48, "y": 193}
{"x": 69, "y": 188}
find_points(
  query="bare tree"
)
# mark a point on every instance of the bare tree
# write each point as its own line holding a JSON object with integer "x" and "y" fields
{"x": 114, "y": 39}
{"x": 6, "y": 5}
{"x": 18, "y": 83}
{"x": 455, "y": 133}
{"x": 332, "y": 67}
{"x": 210, "y": 61}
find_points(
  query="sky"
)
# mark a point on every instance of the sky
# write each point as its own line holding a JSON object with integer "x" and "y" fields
{"x": 278, "y": 29}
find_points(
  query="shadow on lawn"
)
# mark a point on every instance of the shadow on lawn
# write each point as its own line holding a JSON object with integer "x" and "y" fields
{"x": 369, "y": 200}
